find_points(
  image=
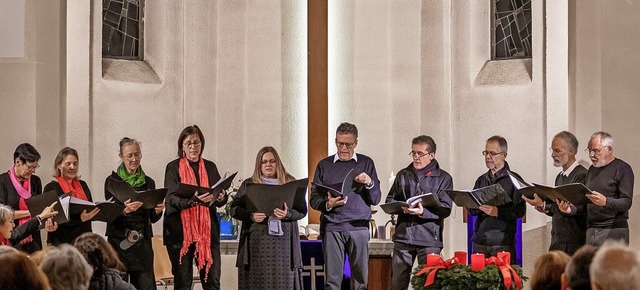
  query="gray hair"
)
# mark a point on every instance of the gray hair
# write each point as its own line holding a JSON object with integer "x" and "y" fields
{"x": 502, "y": 143}
{"x": 66, "y": 268}
{"x": 570, "y": 139}
{"x": 6, "y": 213}
{"x": 615, "y": 266}
{"x": 347, "y": 128}
{"x": 605, "y": 138}
{"x": 126, "y": 141}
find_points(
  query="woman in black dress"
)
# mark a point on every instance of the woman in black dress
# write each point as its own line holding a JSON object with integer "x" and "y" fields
{"x": 130, "y": 233}
{"x": 67, "y": 180}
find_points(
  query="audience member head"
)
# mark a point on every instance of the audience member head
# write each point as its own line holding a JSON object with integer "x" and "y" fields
{"x": 20, "y": 273}
{"x": 6, "y": 223}
{"x": 269, "y": 164}
{"x": 38, "y": 256}
{"x": 615, "y": 266}
{"x": 100, "y": 255}
{"x": 7, "y": 250}
{"x": 547, "y": 271}
{"x": 191, "y": 143}
{"x": 576, "y": 274}
{"x": 66, "y": 268}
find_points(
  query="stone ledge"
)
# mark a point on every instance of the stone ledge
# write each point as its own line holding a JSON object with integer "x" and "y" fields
{"x": 132, "y": 71}
{"x": 505, "y": 72}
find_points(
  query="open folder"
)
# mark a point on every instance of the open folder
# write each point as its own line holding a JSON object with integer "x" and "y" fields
{"x": 574, "y": 193}
{"x": 339, "y": 189}
{"x": 187, "y": 190}
{"x": 122, "y": 191}
{"x": 109, "y": 210}
{"x": 427, "y": 200}
{"x": 37, "y": 203}
{"x": 265, "y": 198}
{"x": 489, "y": 195}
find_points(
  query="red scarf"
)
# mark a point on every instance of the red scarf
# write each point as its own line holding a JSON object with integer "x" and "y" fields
{"x": 196, "y": 221}
{"x": 24, "y": 192}
{"x": 75, "y": 188}
{"x": 4, "y": 242}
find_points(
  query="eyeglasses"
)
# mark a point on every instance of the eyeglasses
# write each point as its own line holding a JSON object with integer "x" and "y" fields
{"x": 484, "y": 153}
{"x": 595, "y": 150}
{"x": 194, "y": 144}
{"x": 342, "y": 144}
{"x": 557, "y": 150}
{"x": 135, "y": 156}
{"x": 32, "y": 167}
{"x": 418, "y": 154}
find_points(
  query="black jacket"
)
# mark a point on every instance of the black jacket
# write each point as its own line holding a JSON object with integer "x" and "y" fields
{"x": 68, "y": 232}
{"x": 425, "y": 230}
{"x": 139, "y": 256}
{"x": 9, "y": 196}
{"x": 172, "y": 224}
{"x": 500, "y": 230}
{"x": 109, "y": 280}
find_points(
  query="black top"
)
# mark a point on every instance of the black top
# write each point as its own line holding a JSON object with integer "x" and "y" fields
{"x": 356, "y": 213}
{"x": 31, "y": 227}
{"x": 9, "y": 196}
{"x": 615, "y": 182}
{"x": 109, "y": 280}
{"x": 68, "y": 232}
{"x": 425, "y": 230}
{"x": 568, "y": 228}
{"x": 500, "y": 230}
{"x": 139, "y": 220}
{"x": 172, "y": 224}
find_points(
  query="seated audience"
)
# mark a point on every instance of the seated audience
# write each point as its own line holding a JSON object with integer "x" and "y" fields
{"x": 20, "y": 273}
{"x": 615, "y": 266}
{"x": 107, "y": 268}
{"x": 576, "y": 274}
{"x": 548, "y": 269}
{"x": 66, "y": 268}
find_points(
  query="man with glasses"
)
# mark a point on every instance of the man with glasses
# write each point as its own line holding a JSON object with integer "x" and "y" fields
{"x": 611, "y": 181}
{"x": 344, "y": 223}
{"x": 569, "y": 224}
{"x": 495, "y": 227}
{"x": 19, "y": 184}
{"x": 419, "y": 230}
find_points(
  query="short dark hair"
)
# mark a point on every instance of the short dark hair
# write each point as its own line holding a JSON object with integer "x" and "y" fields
{"x": 26, "y": 153}
{"x": 347, "y": 128}
{"x": 502, "y": 142}
{"x": 190, "y": 130}
{"x": 577, "y": 270}
{"x": 570, "y": 139}
{"x": 424, "y": 139}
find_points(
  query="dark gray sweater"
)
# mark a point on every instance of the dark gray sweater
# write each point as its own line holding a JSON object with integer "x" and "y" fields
{"x": 615, "y": 181}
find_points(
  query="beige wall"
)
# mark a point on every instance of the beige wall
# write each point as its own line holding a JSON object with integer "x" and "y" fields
{"x": 397, "y": 69}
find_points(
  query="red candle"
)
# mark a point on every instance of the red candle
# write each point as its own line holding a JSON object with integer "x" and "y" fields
{"x": 505, "y": 257}
{"x": 477, "y": 262}
{"x": 432, "y": 259}
{"x": 461, "y": 256}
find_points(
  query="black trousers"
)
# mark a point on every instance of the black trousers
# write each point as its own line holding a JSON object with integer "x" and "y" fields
{"x": 183, "y": 271}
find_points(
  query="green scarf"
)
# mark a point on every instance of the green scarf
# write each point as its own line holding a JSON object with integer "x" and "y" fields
{"x": 135, "y": 180}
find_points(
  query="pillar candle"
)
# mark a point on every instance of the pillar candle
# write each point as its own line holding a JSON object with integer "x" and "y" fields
{"x": 505, "y": 257}
{"x": 462, "y": 257}
{"x": 477, "y": 262}
{"x": 432, "y": 259}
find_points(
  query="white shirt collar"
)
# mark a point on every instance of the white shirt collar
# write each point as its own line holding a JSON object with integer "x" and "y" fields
{"x": 354, "y": 157}
{"x": 570, "y": 169}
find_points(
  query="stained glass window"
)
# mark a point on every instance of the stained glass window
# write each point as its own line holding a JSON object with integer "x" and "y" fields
{"x": 122, "y": 29}
{"x": 511, "y": 29}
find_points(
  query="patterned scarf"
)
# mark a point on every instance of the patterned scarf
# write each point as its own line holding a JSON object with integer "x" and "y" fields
{"x": 196, "y": 221}
{"x": 136, "y": 179}
{"x": 24, "y": 192}
{"x": 75, "y": 188}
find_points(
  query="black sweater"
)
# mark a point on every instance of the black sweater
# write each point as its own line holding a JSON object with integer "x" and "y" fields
{"x": 9, "y": 196}
{"x": 68, "y": 232}
{"x": 500, "y": 230}
{"x": 615, "y": 182}
{"x": 356, "y": 213}
{"x": 172, "y": 224}
{"x": 425, "y": 230}
{"x": 568, "y": 228}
